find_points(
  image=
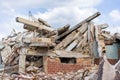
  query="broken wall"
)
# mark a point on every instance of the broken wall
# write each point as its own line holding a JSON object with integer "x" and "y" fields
{"x": 55, "y": 65}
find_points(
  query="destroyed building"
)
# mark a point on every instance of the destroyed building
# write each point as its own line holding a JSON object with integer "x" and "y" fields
{"x": 63, "y": 50}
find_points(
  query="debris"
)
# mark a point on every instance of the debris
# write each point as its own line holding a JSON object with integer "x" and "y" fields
{"x": 44, "y": 53}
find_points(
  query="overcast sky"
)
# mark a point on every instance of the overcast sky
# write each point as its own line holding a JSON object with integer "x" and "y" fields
{"x": 58, "y": 12}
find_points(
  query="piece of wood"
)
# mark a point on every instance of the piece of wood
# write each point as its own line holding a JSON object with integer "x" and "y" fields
{"x": 51, "y": 34}
{"x": 43, "y": 22}
{"x": 73, "y": 44}
{"x": 78, "y": 25}
{"x": 96, "y": 33}
{"x": 103, "y": 26}
{"x": 83, "y": 28}
{"x": 81, "y": 45}
{"x": 89, "y": 34}
{"x": 66, "y": 41}
{"x": 71, "y": 37}
{"x": 108, "y": 36}
{"x": 30, "y": 28}
{"x": 84, "y": 40}
{"x": 90, "y": 38}
{"x": 37, "y": 25}
{"x": 63, "y": 29}
{"x": 92, "y": 31}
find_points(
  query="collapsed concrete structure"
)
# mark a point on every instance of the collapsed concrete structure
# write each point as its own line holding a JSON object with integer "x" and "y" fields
{"x": 66, "y": 49}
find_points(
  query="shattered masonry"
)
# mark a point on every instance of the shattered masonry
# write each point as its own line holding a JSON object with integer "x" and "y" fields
{"x": 42, "y": 52}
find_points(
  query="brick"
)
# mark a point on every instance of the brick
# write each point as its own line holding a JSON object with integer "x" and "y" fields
{"x": 54, "y": 65}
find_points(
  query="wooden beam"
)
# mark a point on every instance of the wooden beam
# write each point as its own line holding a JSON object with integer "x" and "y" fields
{"x": 83, "y": 28}
{"x": 92, "y": 31}
{"x": 103, "y": 26}
{"x": 71, "y": 37}
{"x": 89, "y": 34}
{"x": 84, "y": 40}
{"x": 73, "y": 44}
{"x": 78, "y": 25}
{"x": 30, "y": 28}
{"x": 51, "y": 34}
{"x": 63, "y": 29}
{"x": 108, "y": 36}
{"x": 58, "y": 31}
{"x": 43, "y": 22}
{"x": 66, "y": 41}
{"x": 35, "y": 24}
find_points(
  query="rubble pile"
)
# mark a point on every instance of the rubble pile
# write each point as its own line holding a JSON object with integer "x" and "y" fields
{"x": 24, "y": 55}
{"x": 39, "y": 75}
